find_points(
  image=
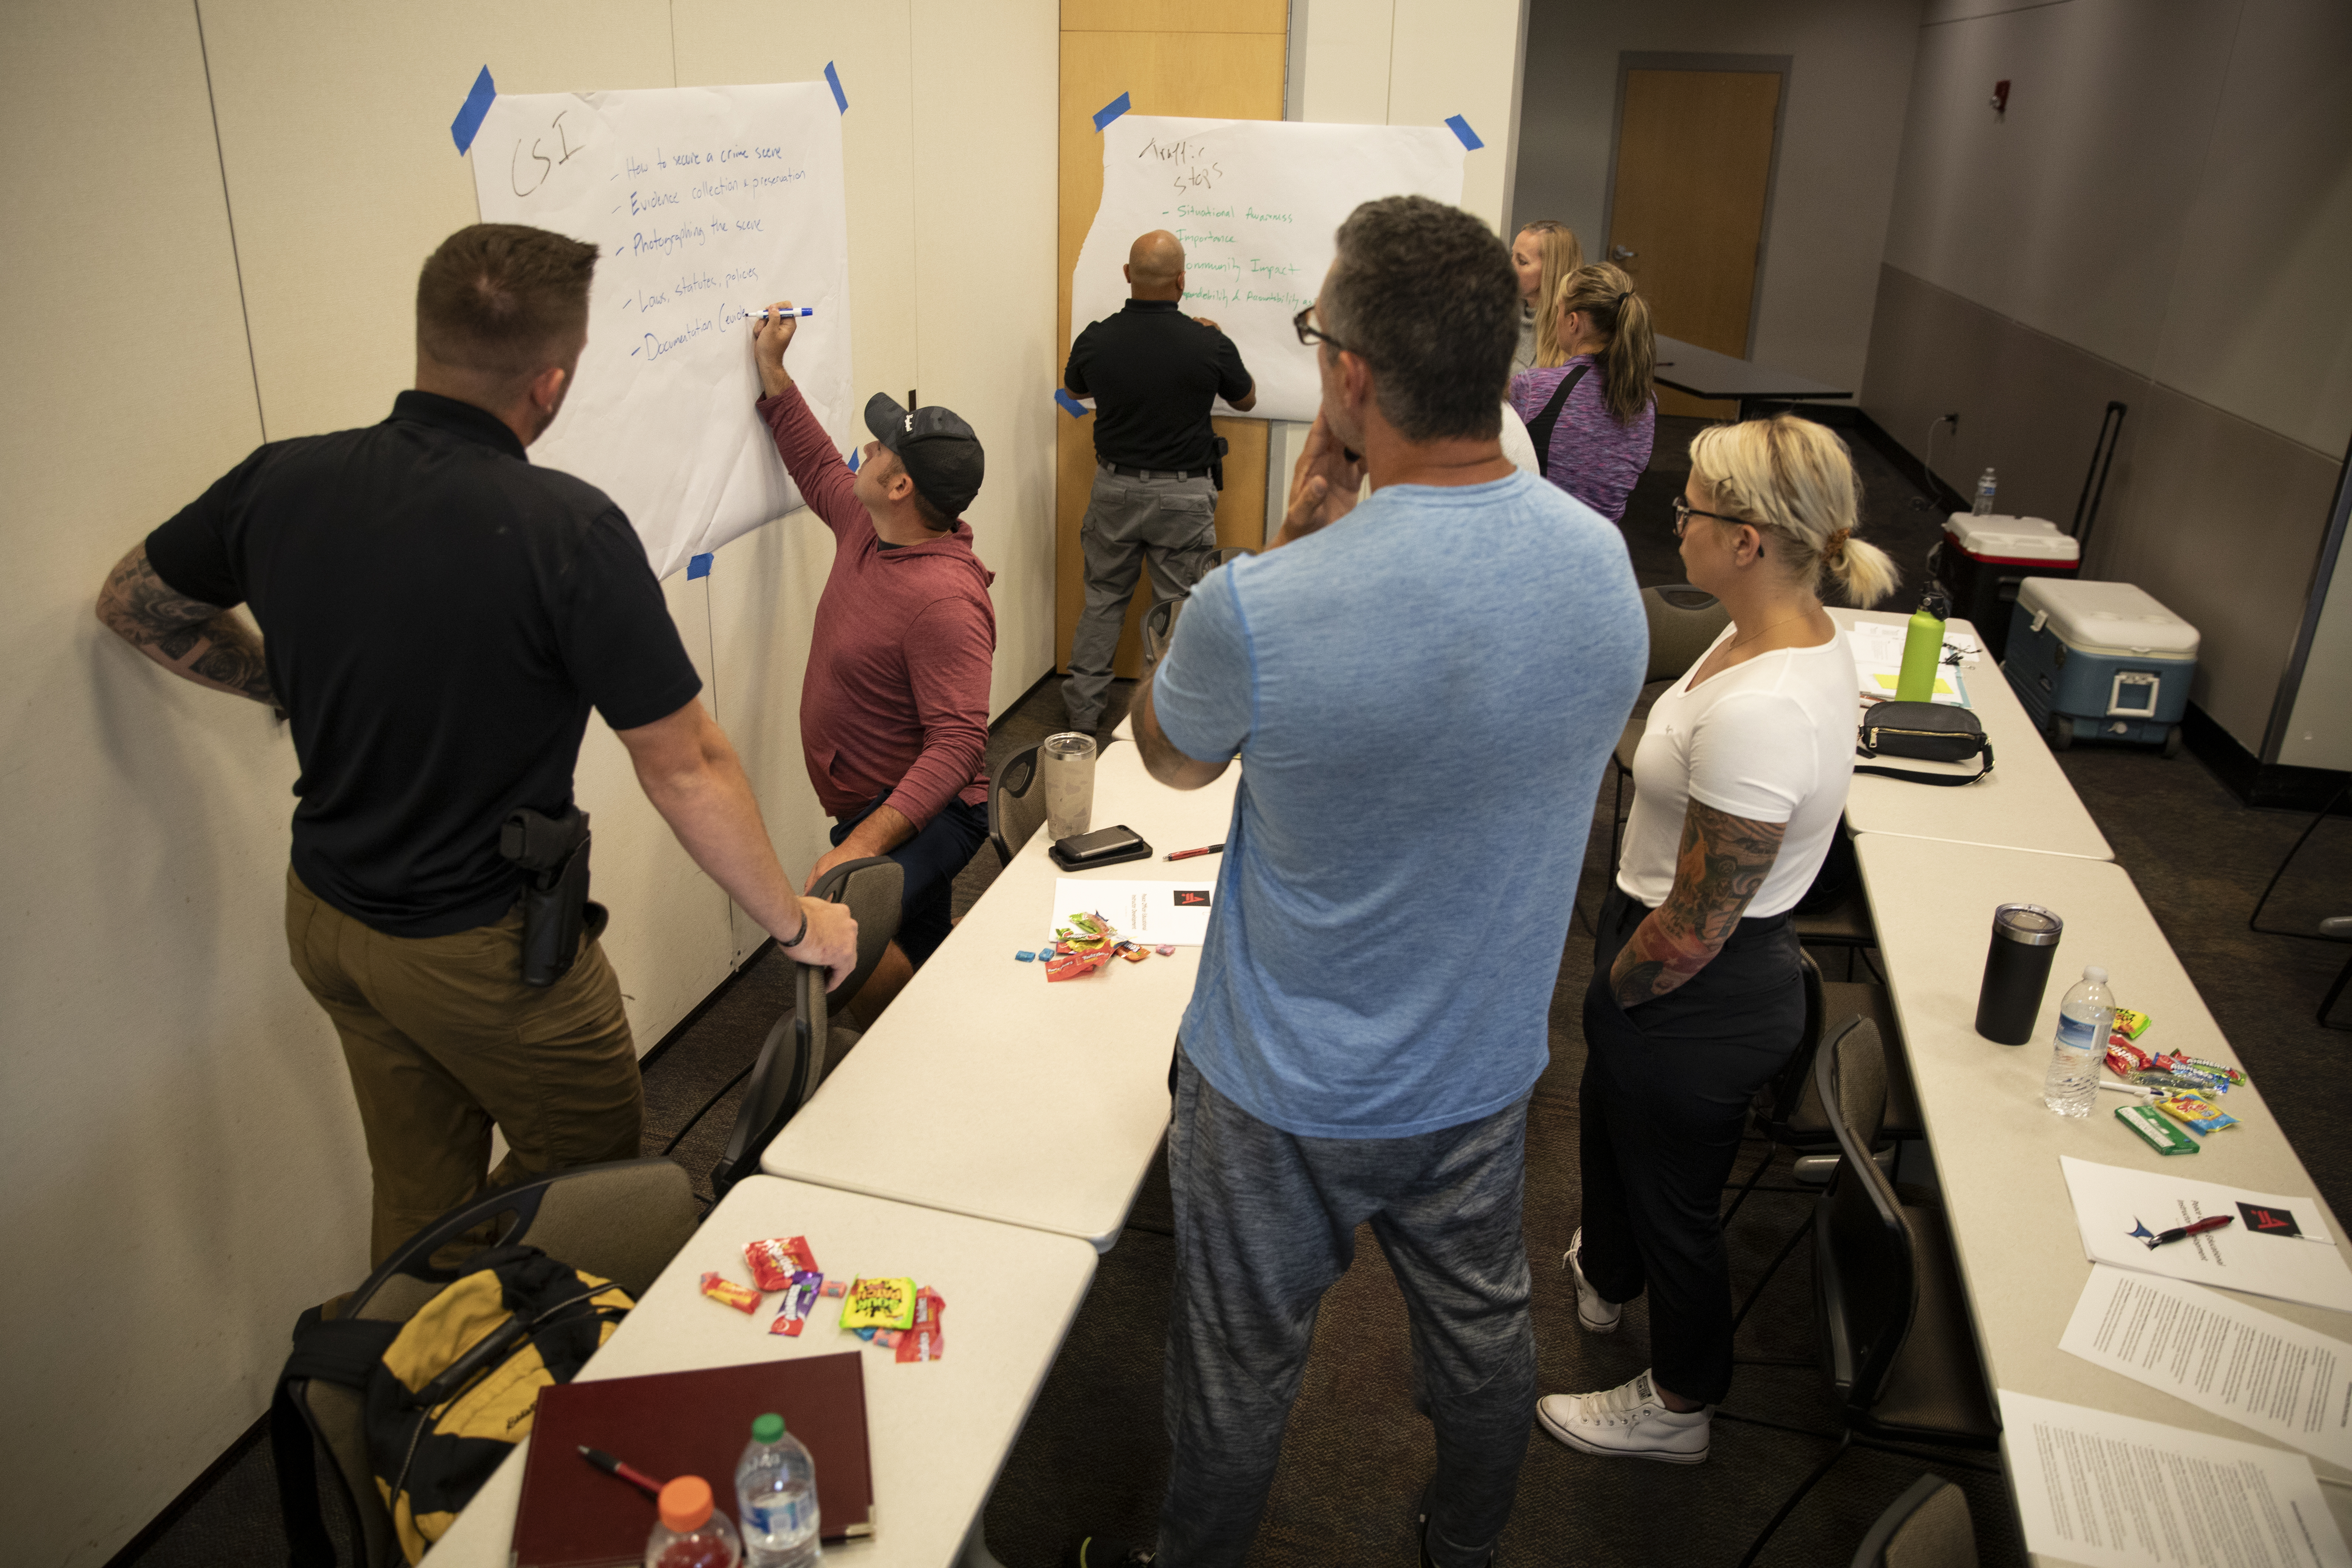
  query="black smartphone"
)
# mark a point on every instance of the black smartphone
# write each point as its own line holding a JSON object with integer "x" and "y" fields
{"x": 1103, "y": 844}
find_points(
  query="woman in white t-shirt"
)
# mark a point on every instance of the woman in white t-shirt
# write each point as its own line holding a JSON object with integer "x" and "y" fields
{"x": 1696, "y": 1000}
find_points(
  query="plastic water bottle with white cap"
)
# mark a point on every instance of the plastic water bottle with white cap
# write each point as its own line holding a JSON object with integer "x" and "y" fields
{"x": 2073, "y": 1082}
{"x": 1986, "y": 486}
{"x": 775, "y": 1493}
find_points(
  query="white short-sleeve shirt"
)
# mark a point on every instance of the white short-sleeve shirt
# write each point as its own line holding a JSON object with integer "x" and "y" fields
{"x": 1771, "y": 739}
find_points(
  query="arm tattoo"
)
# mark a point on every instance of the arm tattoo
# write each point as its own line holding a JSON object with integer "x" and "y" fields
{"x": 1723, "y": 862}
{"x": 199, "y": 642}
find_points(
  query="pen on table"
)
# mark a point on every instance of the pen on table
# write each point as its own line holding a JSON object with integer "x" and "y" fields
{"x": 2182, "y": 1231}
{"x": 802, "y": 311}
{"x": 629, "y": 1473}
{"x": 2141, "y": 1090}
{"x": 1188, "y": 854}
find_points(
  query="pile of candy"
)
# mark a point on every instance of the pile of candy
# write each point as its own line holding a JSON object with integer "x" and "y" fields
{"x": 2185, "y": 1087}
{"x": 892, "y": 1314}
{"x": 1087, "y": 943}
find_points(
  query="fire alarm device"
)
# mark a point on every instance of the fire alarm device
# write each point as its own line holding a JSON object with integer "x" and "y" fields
{"x": 2000, "y": 98}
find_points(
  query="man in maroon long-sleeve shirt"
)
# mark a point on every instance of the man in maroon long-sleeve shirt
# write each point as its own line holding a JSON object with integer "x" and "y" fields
{"x": 893, "y": 708}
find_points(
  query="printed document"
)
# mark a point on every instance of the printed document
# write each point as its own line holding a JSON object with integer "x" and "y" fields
{"x": 2117, "y": 1493}
{"x": 1148, "y": 912}
{"x": 2277, "y": 1246}
{"x": 2281, "y": 1379}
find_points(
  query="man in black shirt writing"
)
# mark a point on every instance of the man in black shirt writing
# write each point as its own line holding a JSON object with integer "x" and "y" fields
{"x": 439, "y": 616}
{"x": 1154, "y": 373}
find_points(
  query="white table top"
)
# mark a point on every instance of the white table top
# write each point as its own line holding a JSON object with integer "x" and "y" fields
{"x": 938, "y": 1431}
{"x": 986, "y": 1090}
{"x": 2027, "y": 803}
{"x": 1996, "y": 1146}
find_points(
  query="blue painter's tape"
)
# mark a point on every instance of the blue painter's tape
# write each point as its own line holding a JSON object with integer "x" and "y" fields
{"x": 1070, "y": 405}
{"x": 832, "y": 80}
{"x": 853, "y": 455}
{"x": 470, "y": 115}
{"x": 698, "y": 566}
{"x": 1111, "y": 111}
{"x": 1461, "y": 127}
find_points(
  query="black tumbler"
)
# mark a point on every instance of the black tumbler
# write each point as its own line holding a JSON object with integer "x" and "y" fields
{"x": 2025, "y": 940}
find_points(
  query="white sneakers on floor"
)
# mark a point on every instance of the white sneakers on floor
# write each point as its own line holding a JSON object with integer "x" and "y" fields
{"x": 1598, "y": 1317}
{"x": 1629, "y": 1422}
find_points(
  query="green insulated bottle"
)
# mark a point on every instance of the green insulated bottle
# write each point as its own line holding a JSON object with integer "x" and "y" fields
{"x": 1923, "y": 647}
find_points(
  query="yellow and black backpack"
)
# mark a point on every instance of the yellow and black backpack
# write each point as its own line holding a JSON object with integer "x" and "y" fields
{"x": 451, "y": 1390}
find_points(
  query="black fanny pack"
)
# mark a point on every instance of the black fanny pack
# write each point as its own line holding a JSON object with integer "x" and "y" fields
{"x": 1928, "y": 732}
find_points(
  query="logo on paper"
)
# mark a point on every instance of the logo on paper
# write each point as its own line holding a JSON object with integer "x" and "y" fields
{"x": 1192, "y": 898}
{"x": 2268, "y": 1221}
{"x": 2139, "y": 1231}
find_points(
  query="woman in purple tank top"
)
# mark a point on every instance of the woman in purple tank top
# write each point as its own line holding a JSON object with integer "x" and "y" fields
{"x": 1592, "y": 418}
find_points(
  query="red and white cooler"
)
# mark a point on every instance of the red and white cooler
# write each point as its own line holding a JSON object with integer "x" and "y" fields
{"x": 1981, "y": 560}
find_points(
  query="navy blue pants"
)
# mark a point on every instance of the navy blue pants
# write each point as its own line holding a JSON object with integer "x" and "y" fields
{"x": 1663, "y": 1100}
{"x": 931, "y": 859}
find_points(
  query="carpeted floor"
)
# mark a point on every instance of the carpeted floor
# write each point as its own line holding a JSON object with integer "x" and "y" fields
{"x": 1091, "y": 1455}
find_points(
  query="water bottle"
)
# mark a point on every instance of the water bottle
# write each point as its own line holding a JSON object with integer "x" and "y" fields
{"x": 2073, "y": 1081}
{"x": 691, "y": 1534}
{"x": 1923, "y": 650}
{"x": 775, "y": 1496}
{"x": 1986, "y": 485}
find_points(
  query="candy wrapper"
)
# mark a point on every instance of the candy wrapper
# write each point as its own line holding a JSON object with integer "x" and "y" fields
{"x": 792, "y": 1314}
{"x": 926, "y": 1340}
{"x": 2195, "y": 1083}
{"x": 775, "y": 1263}
{"x": 1075, "y": 965}
{"x": 2197, "y": 1114}
{"x": 718, "y": 1287}
{"x": 2199, "y": 1064}
{"x": 1166, "y": 950}
{"x": 878, "y": 1304}
{"x": 2131, "y": 1025}
{"x": 1085, "y": 933}
{"x": 2133, "y": 1058}
{"x": 835, "y": 1288}
{"x": 1132, "y": 954}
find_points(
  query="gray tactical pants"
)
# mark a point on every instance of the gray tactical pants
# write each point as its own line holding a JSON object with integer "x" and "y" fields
{"x": 1166, "y": 523}
{"x": 1265, "y": 1223}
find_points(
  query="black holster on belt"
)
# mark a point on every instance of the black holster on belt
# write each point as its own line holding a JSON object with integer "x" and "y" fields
{"x": 551, "y": 852}
{"x": 1217, "y": 461}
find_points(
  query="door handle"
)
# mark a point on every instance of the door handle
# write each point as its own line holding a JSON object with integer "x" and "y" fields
{"x": 1619, "y": 253}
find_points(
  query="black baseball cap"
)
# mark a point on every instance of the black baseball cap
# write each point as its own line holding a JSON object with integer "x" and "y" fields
{"x": 941, "y": 453}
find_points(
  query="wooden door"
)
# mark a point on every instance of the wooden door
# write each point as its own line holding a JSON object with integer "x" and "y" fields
{"x": 1686, "y": 219}
{"x": 1219, "y": 59}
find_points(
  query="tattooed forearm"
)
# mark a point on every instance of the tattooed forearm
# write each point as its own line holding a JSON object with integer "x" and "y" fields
{"x": 1723, "y": 861}
{"x": 199, "y": 642}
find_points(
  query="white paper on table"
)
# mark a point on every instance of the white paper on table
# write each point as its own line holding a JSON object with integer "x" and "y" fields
{"x": 1149, "y": 912}
{"x": 2118, "y": 1492}
{"x": 1880, "y": 642}
{"x": 2118, "y": 1208}
{"x": 2280, "y": 1378}
{"x": 1879, "y": 683}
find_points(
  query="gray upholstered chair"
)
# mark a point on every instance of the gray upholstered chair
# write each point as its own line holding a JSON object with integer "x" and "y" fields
{"x": 1682, "y": 621}
{"x": 1926, "y": 1527}
{"x": 1016, "y": 805}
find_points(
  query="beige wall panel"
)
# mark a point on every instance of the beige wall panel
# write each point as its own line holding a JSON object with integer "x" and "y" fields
{"x": 1839, "y": 136}
{"x": 1461, "y": 57}
{"x": 334, "y": 124}
{"x": 1348, "y": 51}
{"x": 1175, "y": 15}
{"x": 2065, "y": 214}
{"x": 167, "y": 1087}
{"x": 2256, "y": 321}
{"x": 984, "y": 292}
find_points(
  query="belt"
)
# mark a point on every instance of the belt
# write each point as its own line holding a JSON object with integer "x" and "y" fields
{"x": 1123, "y": 471}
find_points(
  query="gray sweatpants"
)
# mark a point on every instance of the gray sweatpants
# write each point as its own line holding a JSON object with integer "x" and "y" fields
{"x": 1265, "y": 1222}
{"x": 1166, "y": 523}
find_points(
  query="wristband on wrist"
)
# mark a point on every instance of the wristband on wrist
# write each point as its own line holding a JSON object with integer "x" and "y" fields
{"x": 802, "y": 935}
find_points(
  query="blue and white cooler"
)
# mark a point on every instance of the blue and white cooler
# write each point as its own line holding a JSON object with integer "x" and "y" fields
{"x": 2100, "y": 661}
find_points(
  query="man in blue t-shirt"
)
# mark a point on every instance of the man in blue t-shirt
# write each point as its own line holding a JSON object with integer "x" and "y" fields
{"x": 1421, "y": 690}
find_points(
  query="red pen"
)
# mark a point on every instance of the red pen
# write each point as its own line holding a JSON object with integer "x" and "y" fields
{"x": 1188, "y": 854}
{"x": 2180, "y": 1233}
{"x": 629, "y": 1473}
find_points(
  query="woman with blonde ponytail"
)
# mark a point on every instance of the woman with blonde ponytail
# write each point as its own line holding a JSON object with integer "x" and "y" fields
{"x": 1543, "y": 252}
{"x": 1696, "y": 1001}
{"x": 1593, "y": 411}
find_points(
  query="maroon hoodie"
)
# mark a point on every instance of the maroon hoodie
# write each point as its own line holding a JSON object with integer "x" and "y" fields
{"x": 896, "y": 697}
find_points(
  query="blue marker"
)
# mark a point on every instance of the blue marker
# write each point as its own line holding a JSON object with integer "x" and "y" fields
{"x": 803, "y": 311}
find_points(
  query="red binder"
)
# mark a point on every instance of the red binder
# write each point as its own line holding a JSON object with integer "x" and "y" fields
{"x": 574, "y": 1515}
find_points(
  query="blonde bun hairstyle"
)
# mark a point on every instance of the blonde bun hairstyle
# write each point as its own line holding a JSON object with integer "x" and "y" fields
{"x": 1793, "y": 478}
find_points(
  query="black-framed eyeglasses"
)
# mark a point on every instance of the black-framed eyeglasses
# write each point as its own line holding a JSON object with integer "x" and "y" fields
{"x": 1684, "y": 511}
{"x": 1310, "y": 336}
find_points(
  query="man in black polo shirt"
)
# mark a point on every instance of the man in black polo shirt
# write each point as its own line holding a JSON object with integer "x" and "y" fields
{"x": 439, "y": 616}
{"x": 1154, "y": 373}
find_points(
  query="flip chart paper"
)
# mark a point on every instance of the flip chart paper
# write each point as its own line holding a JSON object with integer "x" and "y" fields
{"x": 1146, "y": 912}
{"x": 2221, "y": 1354}
{"x": 2117, "y": 1493}
{"x": 705, "y": 204}
{"x": 2118, "y": 1208}
{"x": 1255, "y": 203}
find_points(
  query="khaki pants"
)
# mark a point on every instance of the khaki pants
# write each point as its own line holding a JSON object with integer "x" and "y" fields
{"x": 443, "y": 1040}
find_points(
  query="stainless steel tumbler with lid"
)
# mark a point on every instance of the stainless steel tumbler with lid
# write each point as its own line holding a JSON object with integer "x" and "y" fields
{"x": 2024, "y": 943}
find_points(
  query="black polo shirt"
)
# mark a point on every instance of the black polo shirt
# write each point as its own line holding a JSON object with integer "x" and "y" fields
{"x": 438, "y": 617}
{"x": 1153, "y": 372}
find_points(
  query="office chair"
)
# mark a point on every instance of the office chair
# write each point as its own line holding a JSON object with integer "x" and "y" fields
{"x": 1682, "y": 621}
{"x": 2335, "y": 928}
{"x": 1926, "y": 1527}
{"x": 1016, "y": 805}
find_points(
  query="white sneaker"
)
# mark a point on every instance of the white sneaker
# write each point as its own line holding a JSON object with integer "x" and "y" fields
{"x": 1630, "y": 1422}
{"x": 1598, "y": 1317}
